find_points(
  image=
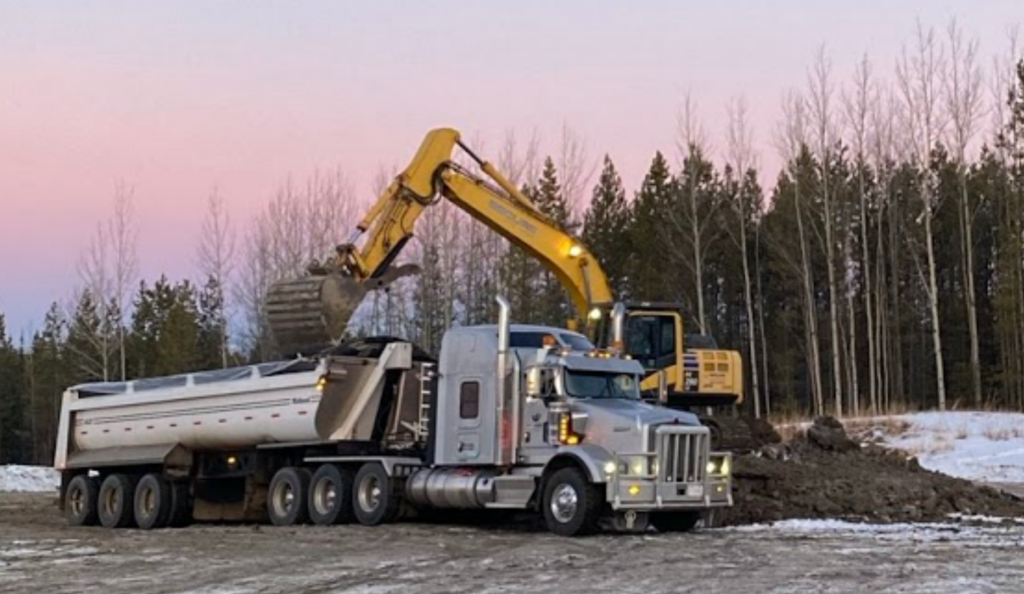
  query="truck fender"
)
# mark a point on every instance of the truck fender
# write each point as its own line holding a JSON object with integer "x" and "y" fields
{"x": 589, "y": 456}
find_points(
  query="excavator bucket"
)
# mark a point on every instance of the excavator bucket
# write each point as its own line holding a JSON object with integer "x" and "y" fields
{"x": 311, "y": 313}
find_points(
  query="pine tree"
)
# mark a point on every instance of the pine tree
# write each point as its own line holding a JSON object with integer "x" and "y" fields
{"x": 606, "y": 228}
{"x": 648, "y": 278}
{"x": 50, "y": 379}
{"x": 554, "y": 306}
{"x": 13, "y": 427}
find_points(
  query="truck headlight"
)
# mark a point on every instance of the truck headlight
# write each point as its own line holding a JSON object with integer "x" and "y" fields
{"x": 635, "y": 465}
{"x": 609, "y": 467}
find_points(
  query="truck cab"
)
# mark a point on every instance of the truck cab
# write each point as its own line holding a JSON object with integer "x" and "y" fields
{"x": 572, "y": 436}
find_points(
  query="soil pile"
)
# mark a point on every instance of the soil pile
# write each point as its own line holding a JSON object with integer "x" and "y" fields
{"x": 822, "y": 473}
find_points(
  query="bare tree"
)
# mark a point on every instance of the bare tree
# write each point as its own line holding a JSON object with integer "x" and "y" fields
{"x": 918, "y": 80}
{"x": 963, "y": 99}
{"x": 694, "y": 220}
{"x": 791, "y": 139}
{"x": 108, "y": 268}
{"x": 575, "y": 170}
{"x": 741, "y": 158}
{"x": 821, "y": 113}
{"x": 216, "y": 254}
{"x": 858, "y": 108}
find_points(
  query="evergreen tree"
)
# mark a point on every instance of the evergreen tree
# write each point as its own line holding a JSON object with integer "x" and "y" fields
{"x": 554, "y": 306}
{"x": 606, "y": 228}
{"x": 14, "y": 437}
{"x": 49, "y": 380}
{"x": 647, "y": 276}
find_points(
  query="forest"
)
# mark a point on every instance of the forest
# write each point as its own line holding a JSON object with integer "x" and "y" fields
{"x": 881, "y": 268}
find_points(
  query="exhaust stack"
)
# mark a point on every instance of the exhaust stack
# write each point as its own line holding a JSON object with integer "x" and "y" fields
{"x": 504, "y": 454}
{"x": 618, "y": 327}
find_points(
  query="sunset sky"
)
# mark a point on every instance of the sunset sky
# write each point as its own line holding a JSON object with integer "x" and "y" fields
{"x": 176, "y": 98}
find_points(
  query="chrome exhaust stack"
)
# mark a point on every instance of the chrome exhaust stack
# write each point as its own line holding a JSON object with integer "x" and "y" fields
{"x": 504, "y": 455}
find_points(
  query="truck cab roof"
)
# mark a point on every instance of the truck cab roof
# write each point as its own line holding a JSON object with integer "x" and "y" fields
{"x": 531, "y": 336}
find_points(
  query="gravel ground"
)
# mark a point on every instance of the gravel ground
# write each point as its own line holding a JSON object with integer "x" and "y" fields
{"x": 38, "y": 554}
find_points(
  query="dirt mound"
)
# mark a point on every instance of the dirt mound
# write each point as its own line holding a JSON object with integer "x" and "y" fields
{"x": 822, "y": 473}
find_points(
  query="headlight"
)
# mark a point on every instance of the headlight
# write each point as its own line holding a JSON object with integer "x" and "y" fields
{"x": 712, "y": 467}
{"x": 635, "y": 465}
{"x": 609, "y": 467}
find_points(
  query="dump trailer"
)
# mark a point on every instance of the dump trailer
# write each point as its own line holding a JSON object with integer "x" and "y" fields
{"x": 506, "y": 417}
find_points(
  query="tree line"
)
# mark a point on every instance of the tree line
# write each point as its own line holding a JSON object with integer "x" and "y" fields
{"x": 881, "y": 267}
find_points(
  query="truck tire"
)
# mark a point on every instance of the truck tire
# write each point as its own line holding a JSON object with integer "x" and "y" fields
{"x": 153, "y": 502}
{"x": 116, "y": 502}
{"x": 80, "y": 501}
{"x": 330, "y": 495}
{"x": 571, "y": 503}
{"x": 181, "y": 507}
{"x": 287, "y": 497}
{"x": 683, "y": 521}
{"x": 375, "y": 498}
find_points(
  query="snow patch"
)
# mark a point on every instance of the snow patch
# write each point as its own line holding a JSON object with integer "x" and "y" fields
{"x": 976, "y": 446}
{"x": 28, "y": 479}
{"x": 1002, "y": 536}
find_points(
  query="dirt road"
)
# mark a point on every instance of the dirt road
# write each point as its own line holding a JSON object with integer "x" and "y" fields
{"x": 38, "y": 554}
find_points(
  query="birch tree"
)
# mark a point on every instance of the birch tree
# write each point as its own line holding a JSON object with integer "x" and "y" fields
{"x": 741, "y": 160}
{"x": 962, "y": 86}
{"x": 215, "y": 255}
{"x": 820, "y": 107}
{"x": 922, "y": 119}
{"x": 857, "y": 110}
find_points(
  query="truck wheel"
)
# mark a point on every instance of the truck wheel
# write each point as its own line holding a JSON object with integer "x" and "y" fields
{"x": 153, "y": 502}
{"x": 116, "y": 501}
{"x": 676, "y": 521}
{"x": 374, "y": 497}
{"x": 330, "y": 495}
{"x": 181, "y": 507}
{"x": 572, "y": 504}
{"x": 286, "y": 501}
{"x": 80, "y": 501}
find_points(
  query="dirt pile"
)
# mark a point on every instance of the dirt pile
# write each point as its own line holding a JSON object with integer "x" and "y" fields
{"x": 822, "y": 473}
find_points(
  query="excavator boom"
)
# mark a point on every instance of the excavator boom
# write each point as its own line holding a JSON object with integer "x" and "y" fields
{"x": 312, "y": 312}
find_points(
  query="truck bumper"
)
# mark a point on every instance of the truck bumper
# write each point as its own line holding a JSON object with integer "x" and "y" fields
{"x": 651, "y": 495}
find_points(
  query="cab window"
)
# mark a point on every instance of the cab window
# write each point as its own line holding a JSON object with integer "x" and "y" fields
{"x": 651, "y": 340}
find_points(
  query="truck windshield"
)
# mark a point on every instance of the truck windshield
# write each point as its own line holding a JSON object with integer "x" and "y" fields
{"x": 590, "y": 384}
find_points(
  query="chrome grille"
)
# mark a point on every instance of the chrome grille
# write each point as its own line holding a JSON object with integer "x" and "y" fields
{"x": 682, "y": 453}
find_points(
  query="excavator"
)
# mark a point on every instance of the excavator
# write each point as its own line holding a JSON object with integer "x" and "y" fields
{"x": 683, "y": 371}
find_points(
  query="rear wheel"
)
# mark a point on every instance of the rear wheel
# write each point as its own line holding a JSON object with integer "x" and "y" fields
{"x": 116, "y": 501}
{"x": 571, "y": 503}
{"x": 286, "y": 501}
{"x": 330, "y": 495}
{"x": 80, "y": 501}
{"x": 375, "y": 498}
{"x": 181, "y": 506}
{"x": 153, "y": 502}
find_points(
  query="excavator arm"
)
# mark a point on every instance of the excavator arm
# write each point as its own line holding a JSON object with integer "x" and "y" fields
{"x": 313, "y": 311}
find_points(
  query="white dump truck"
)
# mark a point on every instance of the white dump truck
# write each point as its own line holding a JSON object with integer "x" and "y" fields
{"x": 508, "y": 417}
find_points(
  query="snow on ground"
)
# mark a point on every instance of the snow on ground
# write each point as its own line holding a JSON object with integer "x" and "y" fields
{"x": 1007, "y": 533}
{"x": 34, "y": 479}
{"x": 977, "y": 446}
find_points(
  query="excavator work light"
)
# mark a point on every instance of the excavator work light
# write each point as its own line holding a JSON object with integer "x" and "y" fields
{"x": 575, "y": 251}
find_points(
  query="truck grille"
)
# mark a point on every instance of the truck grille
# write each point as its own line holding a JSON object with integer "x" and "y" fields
{"x": 682, "y": 453}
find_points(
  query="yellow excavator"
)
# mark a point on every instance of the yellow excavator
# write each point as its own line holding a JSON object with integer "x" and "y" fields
{"x": 683, "y": 371}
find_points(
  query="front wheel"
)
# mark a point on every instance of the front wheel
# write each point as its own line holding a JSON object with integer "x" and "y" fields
{"x": 571, "y": 503}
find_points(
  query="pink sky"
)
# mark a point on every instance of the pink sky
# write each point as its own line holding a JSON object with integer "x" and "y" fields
{"x": 177, "y": 98}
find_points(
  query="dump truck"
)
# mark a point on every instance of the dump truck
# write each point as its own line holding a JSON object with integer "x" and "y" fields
{"x": 507, "y": 417}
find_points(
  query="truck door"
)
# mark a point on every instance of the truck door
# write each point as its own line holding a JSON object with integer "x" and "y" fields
{"x": 468, "y": 425}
